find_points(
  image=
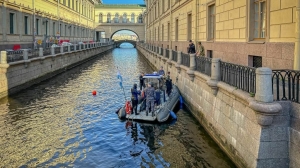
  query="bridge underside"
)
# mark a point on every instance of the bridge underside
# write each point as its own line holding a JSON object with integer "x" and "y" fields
{"x": 111, "y": 28}
{"x": 119, "y": 42}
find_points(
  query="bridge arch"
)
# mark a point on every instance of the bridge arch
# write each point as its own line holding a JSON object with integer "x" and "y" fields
{"x": 124, "y": 29}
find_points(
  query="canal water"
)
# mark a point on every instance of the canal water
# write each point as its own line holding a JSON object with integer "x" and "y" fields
{"x": 59, "y": 123}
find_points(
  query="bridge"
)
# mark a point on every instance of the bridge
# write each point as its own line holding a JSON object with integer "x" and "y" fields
{"x": 111, "y": 18}
{"x": 119, "y": 42}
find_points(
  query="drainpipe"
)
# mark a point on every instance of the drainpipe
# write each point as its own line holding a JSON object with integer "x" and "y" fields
{"x": 297, "y": 38}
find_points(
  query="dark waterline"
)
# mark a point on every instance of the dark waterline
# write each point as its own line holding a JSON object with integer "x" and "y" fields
{"x": 58, "y": 123}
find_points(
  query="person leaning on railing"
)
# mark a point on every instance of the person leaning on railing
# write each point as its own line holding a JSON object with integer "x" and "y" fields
{"x": 200, "y": 50}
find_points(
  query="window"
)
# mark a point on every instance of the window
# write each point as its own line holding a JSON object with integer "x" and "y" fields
{"x": 64, "y": 2}
{"x": 169, "y": 3}
{"x": 100, "y": 17}
{"x": 60, "y": 30}
{"x": 132, "y": 18}
{"x": 37, "y": 26}
{"x": 69, "y": 3}
{"x": 108, "y": 18}
{"x": 140, "y": 18}
{"x": 255, "y": 61}
{"x": 259, "y": 19}
{"x": 11, "y": 23}
{"x": 168, "y": 31}
{"x": 210, "y": 53}
{"x": 72, "y": 4}
{"x": 162, "y": 33}
{"x": 124, "y": 18}
{"x": 211, "y": 22}
{"x": 53, "y": 29}
{"x": 65, "y": 30}
{"x": 76, "y": 6}
{"x": 26, "y": 24}
{"x": 163, "y": 6}
{"x": 189, "y": 27}
{"x": 158, "y": 33}
{"x": 176, "y": 30}
{"x": 46, "y": 27}
{"x": 116, "y": 18}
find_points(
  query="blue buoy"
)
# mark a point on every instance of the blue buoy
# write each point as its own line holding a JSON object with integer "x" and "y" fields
{"x": 173, "y": 115}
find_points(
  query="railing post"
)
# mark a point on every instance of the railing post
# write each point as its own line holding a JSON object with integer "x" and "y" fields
{"x": 41, "y": 53}
{"x": 263, "y": 104}
{"x": 179, "y": 61}
{"x": 25, "y": 54}
{"x": 3, "y": 59}
{"x": 75, "y": 47}
{"x": 69, "y": 48}
{"x": 191, "y": 71}
{"x": 79, "y": 46}
{"x": 170, "y": 57}
{"x": 52, "y": 50}
{"x": 215, "y": 75}
{"x": 61, "y": 49}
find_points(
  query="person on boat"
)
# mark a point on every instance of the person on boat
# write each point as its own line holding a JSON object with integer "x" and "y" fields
{"x": 169, "y": 85}
{"x": 161, "y": 71}
{"x": 142, "y": 81}
{"x": 150, "y": 93}
{"x": 134, "y": 98}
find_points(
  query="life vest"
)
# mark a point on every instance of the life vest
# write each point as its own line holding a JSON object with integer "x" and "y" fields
{"x": 143, "y": 94}
{"x": 128, "y": 107}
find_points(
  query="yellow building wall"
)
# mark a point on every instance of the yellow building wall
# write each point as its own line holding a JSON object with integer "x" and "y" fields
{"x": 112, "y": 11}
{"x": 52, "y": 10}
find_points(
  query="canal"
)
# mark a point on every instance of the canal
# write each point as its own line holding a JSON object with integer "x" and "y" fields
{"x": 58, "y": 123}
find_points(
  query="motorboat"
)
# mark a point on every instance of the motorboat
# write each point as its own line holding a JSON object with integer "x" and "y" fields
{"x": 164, "y": 104}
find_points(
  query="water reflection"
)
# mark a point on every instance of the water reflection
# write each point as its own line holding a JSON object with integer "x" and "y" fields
{"x": 59, "y": 123}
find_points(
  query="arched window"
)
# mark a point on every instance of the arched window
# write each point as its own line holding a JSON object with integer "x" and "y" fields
{"x": 108, "y": 18}
{"x": 100, "y": 18}
{"x": 140, "y": 19}
{"x": 116, "y": 18}
{"x": 124, "y": 18}
{"x": 132, "y": 18}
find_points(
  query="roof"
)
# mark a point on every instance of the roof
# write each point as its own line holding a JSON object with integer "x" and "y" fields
{"x": 122, "y": 6}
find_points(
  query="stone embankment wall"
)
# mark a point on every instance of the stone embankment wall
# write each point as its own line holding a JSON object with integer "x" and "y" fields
{"x": 253, "y": 131}
{"x": 19, "y": 75}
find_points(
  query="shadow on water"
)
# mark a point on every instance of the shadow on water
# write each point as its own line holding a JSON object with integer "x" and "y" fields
{"x": 58, "y": 123}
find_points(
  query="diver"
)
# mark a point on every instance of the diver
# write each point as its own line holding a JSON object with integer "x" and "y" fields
{"x": 134, "y": 98}
{"x": 169, "y": 85}
{"x": 150, "y": 93}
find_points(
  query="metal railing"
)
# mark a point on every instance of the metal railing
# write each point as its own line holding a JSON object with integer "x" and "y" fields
{"x": 161, "y": 51}
{"x": 65, "y": 48}
{"x": 56, "y": 50}
{"x": 72, "y": 48}
{"x": 33, "y": 53}
{"x": 47, "y": 51}
{"x": 241, "y": 77}
{"x": 77, "y": 47}
{"x": 14, "y": 56}
{"x": 203, "y": 65}
{"x": 185, "y": 59}
{"x": 167, "y": 53}
{"x": 174, "y": 56}
{"x": 285, "y": 85}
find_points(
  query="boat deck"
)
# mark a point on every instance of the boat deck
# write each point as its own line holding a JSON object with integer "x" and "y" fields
{"x": 141, "y": 116}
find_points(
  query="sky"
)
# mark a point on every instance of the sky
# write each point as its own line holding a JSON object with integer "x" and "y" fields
{"x": 123, "y": 1}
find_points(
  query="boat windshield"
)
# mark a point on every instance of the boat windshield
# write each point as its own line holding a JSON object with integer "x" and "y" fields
{"x": 154, "y": 79}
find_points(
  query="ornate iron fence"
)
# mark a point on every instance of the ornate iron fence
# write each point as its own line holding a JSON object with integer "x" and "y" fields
{"x": 14, "y": 55}
{"x": 203, "y": 65}
{"x": 77, "y": 47}
{"x": 161, "y": 51}
{"x": 241, "y": 77}
{"x": 33, "y": 53}
{"x": 174, "y": 56}
{"x": 57, "y": 50}
{"x": 72, "y": 47}
{"x": 185, "y": 59}
{"x": 47, "y": 51}
{"x": 167, "y": 53}
{"x": 65, "y": 49}
{"x": 285, "y": 85}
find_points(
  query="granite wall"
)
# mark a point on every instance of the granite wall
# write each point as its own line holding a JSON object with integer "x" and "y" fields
{"x": 253, "y": 131}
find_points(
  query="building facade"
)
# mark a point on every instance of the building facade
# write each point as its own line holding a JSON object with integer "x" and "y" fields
{"x": 24, "y": 22}
{"x": 247, "y": 32}
{"x": 110, "y": 18}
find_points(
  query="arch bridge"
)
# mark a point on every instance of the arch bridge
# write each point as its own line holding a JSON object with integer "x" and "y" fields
{"x": 119, "y": 42}
{"x": 111, "y": 18}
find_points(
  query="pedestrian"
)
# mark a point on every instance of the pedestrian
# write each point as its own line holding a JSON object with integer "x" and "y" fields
{"x": 134, "y": 98}
{"x": 200, "y": 50}
{"x": 142, "y": 81}
{"x": 191, "y": 47}
{"x": 150, "y": 93}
